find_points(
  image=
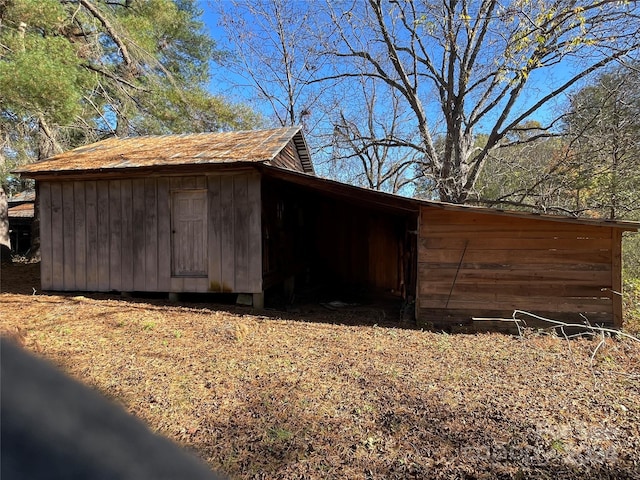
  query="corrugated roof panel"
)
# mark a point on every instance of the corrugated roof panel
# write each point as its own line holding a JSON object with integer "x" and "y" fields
{"x": 26, "y": 210}
{"x": 258, "y": 146}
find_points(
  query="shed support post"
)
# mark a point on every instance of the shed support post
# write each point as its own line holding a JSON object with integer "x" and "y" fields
{"x": 258, "y": 301}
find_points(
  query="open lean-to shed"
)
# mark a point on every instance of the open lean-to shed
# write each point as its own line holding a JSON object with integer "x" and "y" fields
{"x": 243, "y": 212}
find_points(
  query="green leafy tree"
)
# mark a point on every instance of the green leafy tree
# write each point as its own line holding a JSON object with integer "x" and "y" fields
{"x": 603, "y": 125}
{"x": 72, "y": 72}
{"x": 589, "y": 167}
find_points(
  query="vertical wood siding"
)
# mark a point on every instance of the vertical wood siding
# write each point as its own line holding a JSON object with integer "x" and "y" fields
{"x": 356, "y": 246}
{"x": 115, "y": 235}
{"x": 91, "y": 200}
{"x": 473, "y": 264}
{"x": 164, "y": 234}
{"x": 57, "y": 242}
{"x": 235, "y": 229}
{"x": 127, "y": 228}
{"x": 46, "y": 254}
{"x": 80, "y": 235}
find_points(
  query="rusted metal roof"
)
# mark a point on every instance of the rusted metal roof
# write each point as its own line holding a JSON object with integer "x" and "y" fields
{"x": 26, "y": 210}
{"x": 258, "y": 146}
{"x": 26, "y": 196}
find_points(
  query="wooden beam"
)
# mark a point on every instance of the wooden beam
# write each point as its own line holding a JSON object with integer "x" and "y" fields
{"x": 258, "y": 301}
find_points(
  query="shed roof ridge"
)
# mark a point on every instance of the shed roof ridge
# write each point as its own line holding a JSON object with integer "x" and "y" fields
{"x": 187, "y": 134}
{"x": 290, "y": 133}
{"x": 133, "y": 138}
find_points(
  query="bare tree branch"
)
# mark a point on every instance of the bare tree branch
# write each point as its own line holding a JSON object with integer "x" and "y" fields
{"x": 115, "y": 36}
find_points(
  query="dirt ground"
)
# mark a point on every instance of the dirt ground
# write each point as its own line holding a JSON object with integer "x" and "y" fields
{"x": 325, "y": 394}
{"x": 19, "y": 278}
{"x": 24, "y": 278}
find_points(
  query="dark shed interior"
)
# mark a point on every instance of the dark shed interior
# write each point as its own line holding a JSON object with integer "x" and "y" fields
{"x": 319, "y": 245}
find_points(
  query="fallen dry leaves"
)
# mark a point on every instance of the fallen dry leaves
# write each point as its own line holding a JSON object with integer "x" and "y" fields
{"x": 262, "y": 396}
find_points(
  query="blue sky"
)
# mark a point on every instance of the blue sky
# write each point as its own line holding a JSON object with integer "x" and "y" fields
{"x": 223, "y": 81}
{"x": 229, "y": 84}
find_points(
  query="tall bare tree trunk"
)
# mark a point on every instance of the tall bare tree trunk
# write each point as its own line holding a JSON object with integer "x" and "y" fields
{"x": 47, "y": 146}
{"x": 5, "y": 241}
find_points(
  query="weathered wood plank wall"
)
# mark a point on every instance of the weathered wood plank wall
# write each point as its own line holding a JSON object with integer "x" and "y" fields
{"x": 46, "y": 257}
{"x": 357, "y": 246}
{"x": 330, "y": 242}
{"x": 115, "y": 235}
{"x": 288, "y": 158}
{"x": 474, "y": 264}
{"x": 235, "y": 229}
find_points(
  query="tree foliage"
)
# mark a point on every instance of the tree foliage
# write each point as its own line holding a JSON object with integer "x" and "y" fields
{"x": 592, "y": 166}
{"x": 72, "y": 72}
{"x": 530, "y": 171}
{"x": 602, "y": 126}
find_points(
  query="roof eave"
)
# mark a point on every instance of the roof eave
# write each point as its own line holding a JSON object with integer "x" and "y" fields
{"x": 141, "y": 170}
{"x": 408, "y": 204}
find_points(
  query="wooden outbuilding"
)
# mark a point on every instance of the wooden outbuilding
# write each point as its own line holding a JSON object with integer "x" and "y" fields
{"x": 243, "y": 212}
{"x": 21, "y": 215}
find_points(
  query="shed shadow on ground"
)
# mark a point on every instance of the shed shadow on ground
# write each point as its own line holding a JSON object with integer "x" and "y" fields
{"x": 352, "y": 309}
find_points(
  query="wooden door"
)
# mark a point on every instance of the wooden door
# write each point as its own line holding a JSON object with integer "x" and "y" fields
{"x": 189, "y": 233}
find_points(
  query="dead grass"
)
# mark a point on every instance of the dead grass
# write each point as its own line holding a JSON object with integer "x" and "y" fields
{"x": 269, "y": 397}
{"x": 631, "y": 306}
